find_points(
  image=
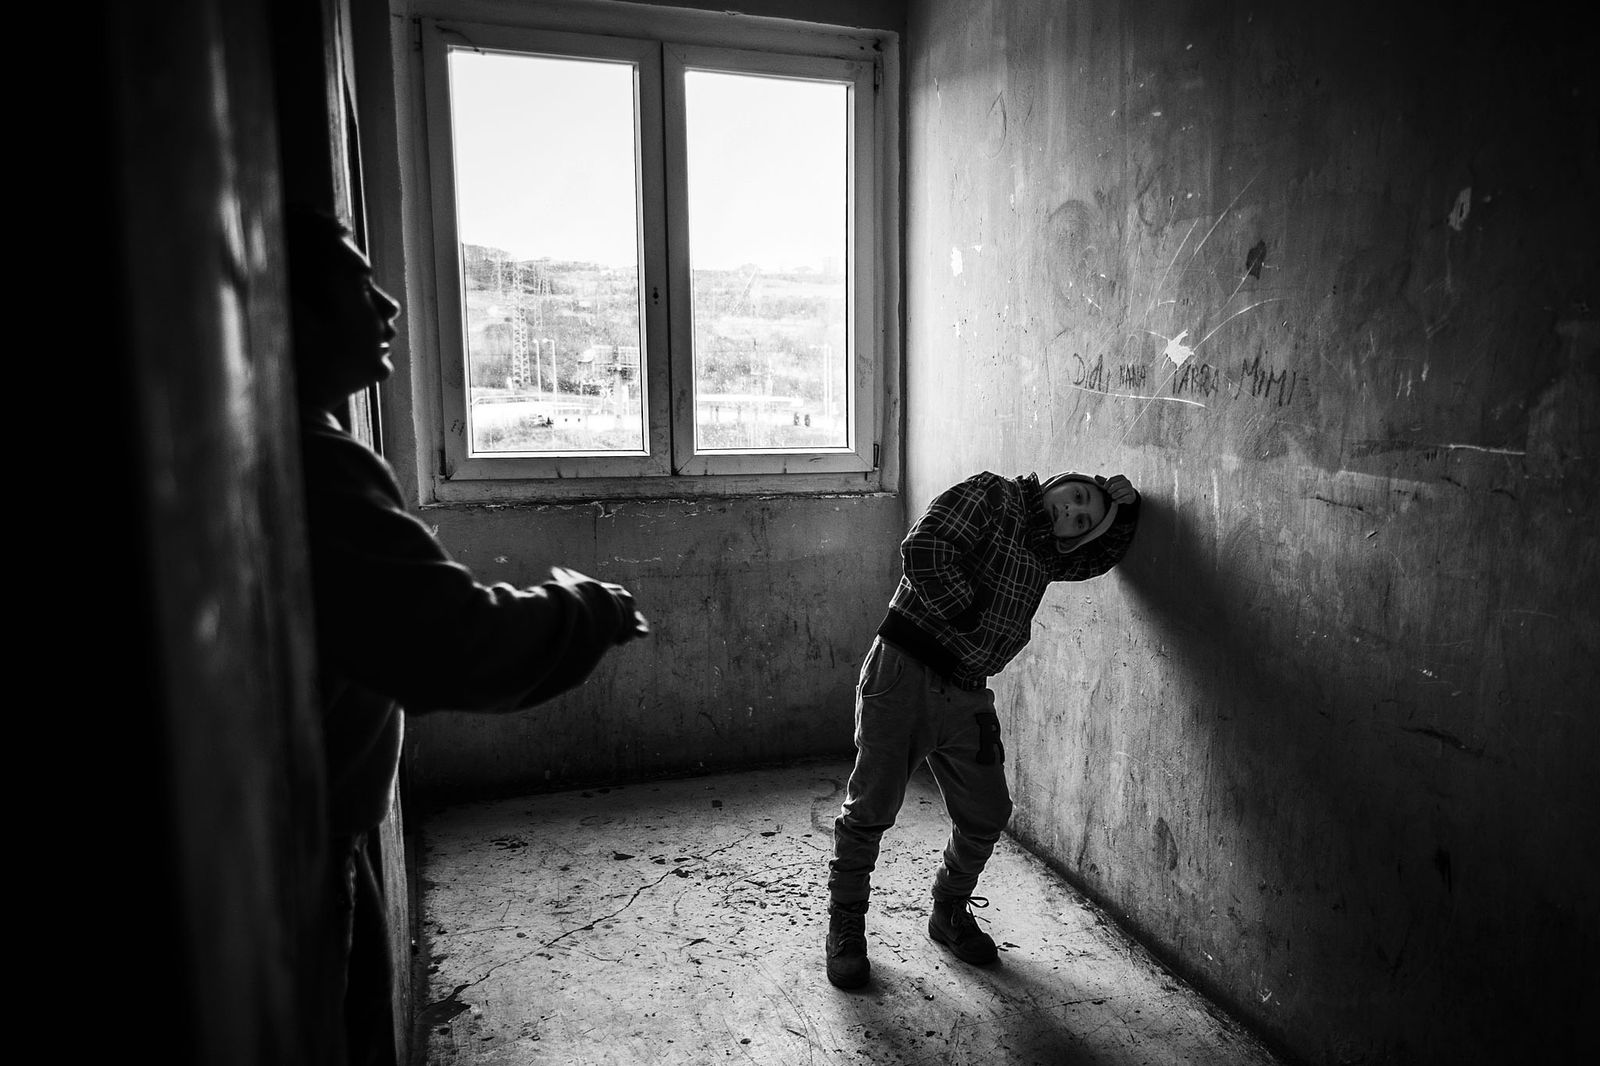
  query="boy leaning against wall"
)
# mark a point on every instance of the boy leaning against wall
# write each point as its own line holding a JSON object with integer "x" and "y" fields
{"x": 976, "y": 566}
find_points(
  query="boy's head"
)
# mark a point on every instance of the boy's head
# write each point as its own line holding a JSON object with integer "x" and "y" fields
{"x": 1079, "y": 509}
{"x": 342, "y": 322}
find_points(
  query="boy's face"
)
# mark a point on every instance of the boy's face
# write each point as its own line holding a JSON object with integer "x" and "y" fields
{"x": 1074, "y": 507}
{"x": 350, "y": 327}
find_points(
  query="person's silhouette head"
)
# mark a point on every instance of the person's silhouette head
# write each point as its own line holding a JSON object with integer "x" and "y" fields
{"x": 342, "y": 322}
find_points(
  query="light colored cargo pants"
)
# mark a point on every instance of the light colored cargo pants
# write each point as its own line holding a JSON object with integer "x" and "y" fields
{"x": 906, "y": 713}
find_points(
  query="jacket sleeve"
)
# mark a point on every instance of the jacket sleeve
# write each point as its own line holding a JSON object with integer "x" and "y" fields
{"x": 396, "y": 614}
{"x": 940, "y": 551}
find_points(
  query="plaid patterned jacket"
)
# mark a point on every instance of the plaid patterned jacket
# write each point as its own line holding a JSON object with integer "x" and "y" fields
{"x": 976, "y": 565}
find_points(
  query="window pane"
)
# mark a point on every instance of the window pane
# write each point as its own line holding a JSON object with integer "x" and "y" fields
{"x": 769, "y": 206}
{"x": 547, "y": 212}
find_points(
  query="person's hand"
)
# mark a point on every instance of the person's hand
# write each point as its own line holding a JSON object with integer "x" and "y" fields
{"x": 632, "y": 621}
{"x": 637, "y": 626}
{"x": 1121, "y": 490}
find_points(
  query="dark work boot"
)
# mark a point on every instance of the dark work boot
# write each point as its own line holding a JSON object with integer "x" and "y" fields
{"x": 847, "y": 945}
{"x": 953, "y": 925}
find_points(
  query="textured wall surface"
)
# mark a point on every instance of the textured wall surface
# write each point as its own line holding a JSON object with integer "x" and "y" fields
{"x": 1324, "y": 285}
{"x": 760, "y": 609}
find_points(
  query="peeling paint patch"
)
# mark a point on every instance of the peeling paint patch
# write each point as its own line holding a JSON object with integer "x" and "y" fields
{"x": 1462, "y": 208}
{"x": 1177, "y": 351}
{"x": 955, "y": 262}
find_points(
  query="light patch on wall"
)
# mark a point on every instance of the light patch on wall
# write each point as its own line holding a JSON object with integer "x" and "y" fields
{"x": 1462, "y": 208}
{"x": 1177, "y": 351}
{"x": 1478, "y": 448}
{"x": 208, "y": 622}
{"x": 955, "y": 262}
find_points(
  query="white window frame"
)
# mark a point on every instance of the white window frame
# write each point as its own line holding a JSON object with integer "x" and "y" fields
{"x": 663, "y": 46}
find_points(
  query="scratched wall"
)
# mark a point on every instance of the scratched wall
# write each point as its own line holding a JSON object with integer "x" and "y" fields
{"x": 1324, "y": 286}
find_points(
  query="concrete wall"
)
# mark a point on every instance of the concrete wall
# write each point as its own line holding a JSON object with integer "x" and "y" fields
{"x": 1324, "y": 285}
{"x": 761, "y": 609}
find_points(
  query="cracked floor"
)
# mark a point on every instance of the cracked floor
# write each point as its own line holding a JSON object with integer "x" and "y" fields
{"x": 681, "y": 922}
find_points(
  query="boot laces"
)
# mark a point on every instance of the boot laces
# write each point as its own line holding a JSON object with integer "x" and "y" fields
{"x": 849, "y": 928}
{"x": 961, "y": 918}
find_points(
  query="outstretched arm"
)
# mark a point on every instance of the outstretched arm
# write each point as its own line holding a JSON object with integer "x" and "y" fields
{"x": 397, "y": 615}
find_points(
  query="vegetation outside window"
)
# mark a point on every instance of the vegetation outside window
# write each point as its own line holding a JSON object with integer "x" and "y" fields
{"x": 654, "y": 258}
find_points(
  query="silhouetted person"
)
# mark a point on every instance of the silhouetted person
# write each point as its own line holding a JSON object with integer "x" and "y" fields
{"x": 399, "y": 624}
{"x": 976, "y": 566}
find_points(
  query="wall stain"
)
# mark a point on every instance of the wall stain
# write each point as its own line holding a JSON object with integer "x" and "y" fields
{"x": 1441, "y": 862}
{"x": 1166, "y": 847}
{"x": 1444, "y": 737}
{"x": 1253, "y": 260}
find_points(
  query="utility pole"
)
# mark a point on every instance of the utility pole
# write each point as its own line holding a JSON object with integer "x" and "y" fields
{"x": 510, "y": 280}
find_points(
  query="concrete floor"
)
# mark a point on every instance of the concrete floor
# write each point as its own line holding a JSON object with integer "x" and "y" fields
{"x": 681, "y": 922}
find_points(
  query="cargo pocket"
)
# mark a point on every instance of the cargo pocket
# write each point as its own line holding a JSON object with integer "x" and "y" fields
{"x": 990, "y": 750}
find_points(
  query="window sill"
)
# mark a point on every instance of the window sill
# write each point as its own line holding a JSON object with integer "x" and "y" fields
{"x": 586, "y": 490}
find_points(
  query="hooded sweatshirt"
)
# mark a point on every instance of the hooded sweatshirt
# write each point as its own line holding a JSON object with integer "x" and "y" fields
{"x": 399, "y": 623}
{"x": 976, "y": 566}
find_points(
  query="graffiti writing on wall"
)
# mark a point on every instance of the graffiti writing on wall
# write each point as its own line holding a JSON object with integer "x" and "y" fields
{"x": 1200, "y": 378}
{"x": 1128, "y": 379}
{"x": 1121, "y": 379}
{"x": 1095, "y": 377}
{"x": 1178, "y": 371}
{"x": 1266, "y": 383}
{"x": 1257, "y": 380}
